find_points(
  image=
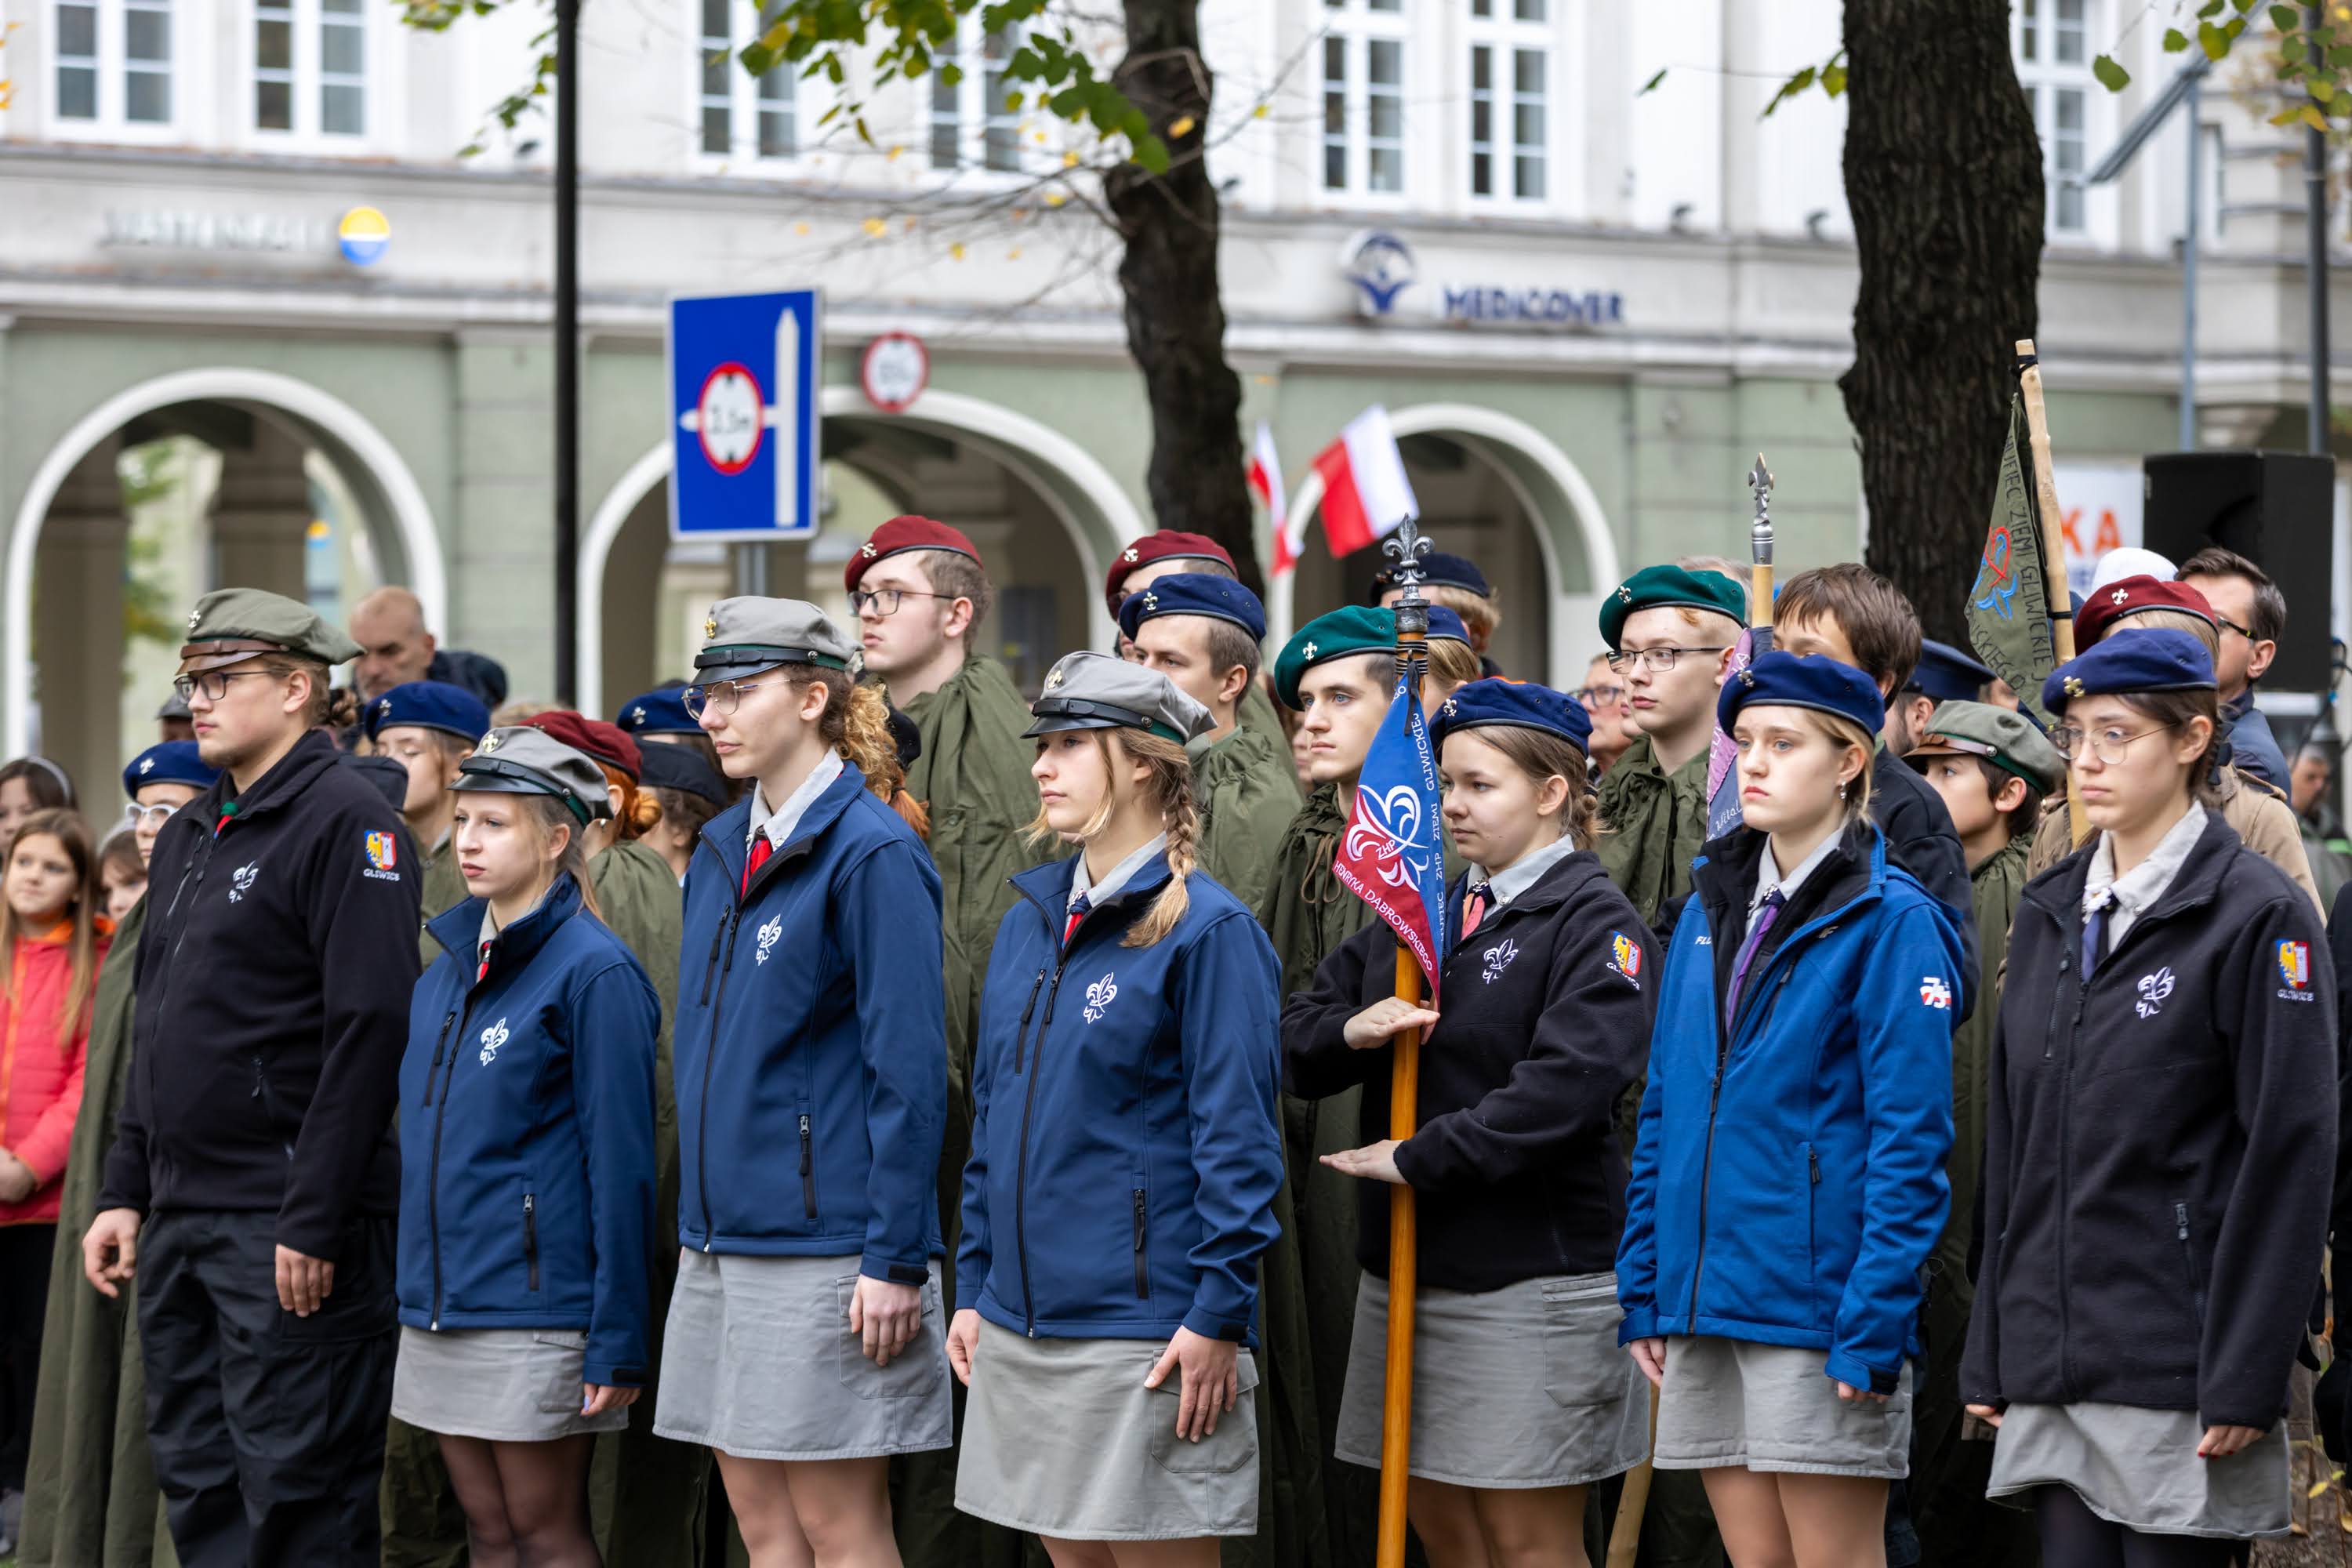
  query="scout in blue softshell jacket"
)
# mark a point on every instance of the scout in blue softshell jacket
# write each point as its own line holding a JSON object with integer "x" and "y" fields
{"x": 526, "y": 1124}
{"x": 1788, "y": 1181}
{"x": 1125, "y": 1151}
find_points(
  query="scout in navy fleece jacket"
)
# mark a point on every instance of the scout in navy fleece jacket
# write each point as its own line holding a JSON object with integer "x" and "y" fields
{"x": 526, "y": 1135}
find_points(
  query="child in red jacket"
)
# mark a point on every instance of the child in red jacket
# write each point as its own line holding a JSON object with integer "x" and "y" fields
{"x": 51, "y": 939}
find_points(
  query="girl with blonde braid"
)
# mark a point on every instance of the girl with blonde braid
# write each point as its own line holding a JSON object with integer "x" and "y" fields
{"x": 1125, "y": 1157}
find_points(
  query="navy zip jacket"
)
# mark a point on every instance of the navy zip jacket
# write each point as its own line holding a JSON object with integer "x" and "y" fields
{"x": 812, "y": 1041}
{"x": 1787, "y": 1182}
{"x": 2159, "y": 1146}
{"x": 527, "y": 1135}
{"x": 273, "y": 986}
{"x": 1125, "y": 1152}
{"x": 1543, "y": 1018}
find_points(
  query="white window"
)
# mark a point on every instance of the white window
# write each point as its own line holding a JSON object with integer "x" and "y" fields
{"x": 970, "y": 125}
{"x": 1364, "y": 97}
{"x": 310, "y": 69}
{"x": 112, "y": 64}
{"x": 2051, "y": 42}
{"x": 1510, "y": 100}
{"x": 742, "y": 116}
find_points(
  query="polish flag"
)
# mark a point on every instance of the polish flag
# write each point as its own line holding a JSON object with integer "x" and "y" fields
{"x": 1365, "y": 491}
{"x": 1266, "y": 483}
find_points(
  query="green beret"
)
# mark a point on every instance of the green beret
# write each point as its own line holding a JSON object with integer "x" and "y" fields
{"x": 1654, "y": 587}
{"x": 230, "y": 625}
{"x": 1358, "y": 629}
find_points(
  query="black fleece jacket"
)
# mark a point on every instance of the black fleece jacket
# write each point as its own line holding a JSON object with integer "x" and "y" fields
{"x": 273, "y": 989}
{"x": 2160, "y": 1146}
{"x": 1543, "y": 1018}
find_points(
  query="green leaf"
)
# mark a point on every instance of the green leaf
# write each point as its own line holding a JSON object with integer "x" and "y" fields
{"x": 2210, "y": 8}
{"x": 2313, "y": 118}
{"x": 2283, "y": 18}
{"x": 1651, "y": 86}
{"x": 2233, "y": 26}
{"x": 1789, "y": 88}
{"x": 1833, "y": 78}
{"x": 2290, "y": 49}
{"x": 2175, "y": 40}
{"x": 757, "y": 57}
{"x": 2341, "y": 57}
{"x": 2112, "y": 77}
{"x": 1152, "y": 153}
{"x": 2244, "y": 6}
{"x": 2212, "y": 40}
{"x": 2321, "y": 90}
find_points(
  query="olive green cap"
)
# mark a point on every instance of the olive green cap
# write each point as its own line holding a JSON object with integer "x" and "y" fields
{"x": 229, "y": 626}
{"x": 2001, "y": 736}
{"x": 1656, "y": 587}
{"x": 1358, "y": 628}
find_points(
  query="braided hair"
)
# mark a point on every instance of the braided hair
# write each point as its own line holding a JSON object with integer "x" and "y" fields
{"x": 1168, "y": 787}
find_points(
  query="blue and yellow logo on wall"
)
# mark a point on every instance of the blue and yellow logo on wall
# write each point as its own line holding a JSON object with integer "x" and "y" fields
{"x": 363, "y": 234}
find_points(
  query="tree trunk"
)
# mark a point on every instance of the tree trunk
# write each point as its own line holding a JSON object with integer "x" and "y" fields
{"x": 1943, "y": 176}
{"x": 1175, "y": 316}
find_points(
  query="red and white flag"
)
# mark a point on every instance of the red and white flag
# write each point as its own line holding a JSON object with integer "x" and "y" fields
{"x": 1266, "y": 483}
{"x": 1365, "y": 491}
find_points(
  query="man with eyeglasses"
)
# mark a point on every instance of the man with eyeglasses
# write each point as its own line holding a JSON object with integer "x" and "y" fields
{"x": 1670, "y": 633}
{"x": 91, "y": 1351}
{"x": 1603, "y": 696}
{"x": 922, "y": 595}
{"x": 2250, "y": 613}
{"x": 252, "y": 1182}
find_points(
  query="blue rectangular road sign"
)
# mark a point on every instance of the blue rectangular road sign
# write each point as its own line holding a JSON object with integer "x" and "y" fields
{"x": 743, "y": 381}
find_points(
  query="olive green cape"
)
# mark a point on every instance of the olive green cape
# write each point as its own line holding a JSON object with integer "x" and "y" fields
{"x": 1652, "y": 823}
{"x": 1246, "y": 792}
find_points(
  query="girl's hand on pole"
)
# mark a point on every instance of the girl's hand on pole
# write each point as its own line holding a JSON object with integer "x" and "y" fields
{"x": 963, "y": 1339}
{"x": 595, "y": 1398}
{"x": 2221, "y": 1442}
{"x": 887, "y": 1315}
{"x": 1212, "y": 1385}
{"x": 1375, "y": 1161}
{"x": 1383, "y": 1020}
{"x": 1986, "y": 1413}
{"x": 1650, "y": 1355}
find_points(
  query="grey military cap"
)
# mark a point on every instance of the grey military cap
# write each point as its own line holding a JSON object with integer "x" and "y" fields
{"x": 2001, "y": 736}
{"x": 743, "y": 635}
{"x": 1096, "y": 691}
{"x": 520, "y": 759}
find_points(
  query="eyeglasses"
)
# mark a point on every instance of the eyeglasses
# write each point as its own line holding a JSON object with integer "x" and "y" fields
{"x": 2228, "y": 624}
{"x": 721, "y": 696}
{"x": 885, "y": 601}
{"x": 1602, "y": 696}
{"x": 2107, "y": 744}
{"x": 150, "y": 816}
{"x": 213, "y": 683}
{"x": 1656, "y": 659}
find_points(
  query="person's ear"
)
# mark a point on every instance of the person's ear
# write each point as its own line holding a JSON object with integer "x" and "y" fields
{"x": 959, "y": 618}
{"x": 297, "y": 691}
{"x": 613, "y": 799}
{"x": 2259, "y": 656}
{"x": 1236, "y": 684}
{"x": 2194, "y": 736}
{"x": 558, "y": 840}
{"x": 813, "y": 697}
{"x": 1551, "y": 796}
{"x": 1722, "y": 665}
{"x": 2009, "y": 796}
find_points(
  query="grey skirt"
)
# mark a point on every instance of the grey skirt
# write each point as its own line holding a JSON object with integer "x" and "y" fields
{"x": 1525, "y": 1386}
{"x": 1061, "y": 1438}
{"x": 2139, "y": 1469}
{"x": 1773, "y": 1407}
{"x": 504, "y": 1385}
{"x": 758, "y": 1362}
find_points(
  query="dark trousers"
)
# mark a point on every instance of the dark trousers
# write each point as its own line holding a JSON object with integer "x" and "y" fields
{"x": 267, "y": 1428}
{"x": 24, "y": 1297}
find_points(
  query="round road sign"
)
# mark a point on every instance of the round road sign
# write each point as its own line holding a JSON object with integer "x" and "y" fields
{"x": 729, "y": 424}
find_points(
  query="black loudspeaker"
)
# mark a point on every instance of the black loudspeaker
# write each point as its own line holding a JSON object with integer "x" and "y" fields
{"x": 2277, "y": 509}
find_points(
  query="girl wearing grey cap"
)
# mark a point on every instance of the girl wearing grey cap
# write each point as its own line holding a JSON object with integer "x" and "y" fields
{"x": 805, "y": 1342}
{"x": 1125, "y": 1156}
{"x": 527, "y": 1162}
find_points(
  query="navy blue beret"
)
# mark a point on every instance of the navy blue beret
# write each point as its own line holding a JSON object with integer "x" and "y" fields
{"x": 429, "y": 705}
{"x": 1194, "y": 593}
{"x": 665, "y": 767}
{"x": 2158, "y": 658}
{"x": 1949, "y": 675}
{"x": 1444, "y": 626}
{"x": 1813, "y": 680}
{"x": 1520, "y": 704}
{"x": 661, "y": 711}
{"x": 1438, "y": 570}
{"x": 173, "y": 762}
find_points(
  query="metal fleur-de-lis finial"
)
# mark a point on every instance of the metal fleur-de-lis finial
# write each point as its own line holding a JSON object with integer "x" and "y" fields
{"x": 1406, "y": 547}
{"x": 1759, "y": 538}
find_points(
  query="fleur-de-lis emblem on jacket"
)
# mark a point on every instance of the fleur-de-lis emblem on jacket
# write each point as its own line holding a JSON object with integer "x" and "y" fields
{"x": 1099, "y": 996}
{"x": 1498, "y": 959}
{"x": 2153, "y": 989}
{"x": 769, "y": 935}
{"x": 241, "y": 883}
{"x": 492, "y": 1038}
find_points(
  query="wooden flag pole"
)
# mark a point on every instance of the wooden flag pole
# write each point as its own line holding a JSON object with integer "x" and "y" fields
{"x": 1406, "y": 546}
{"x": 2053, "y": 541}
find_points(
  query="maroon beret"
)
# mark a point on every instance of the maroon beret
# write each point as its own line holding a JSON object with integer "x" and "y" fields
{"x": 1168, "y": 544}
{"x": 608, "y": 743}
{"x": 901, "y": 534}
{"x": 2130, "y": 595}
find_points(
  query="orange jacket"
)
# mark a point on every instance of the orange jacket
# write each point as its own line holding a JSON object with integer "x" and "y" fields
{"x": 40, "y": 1076}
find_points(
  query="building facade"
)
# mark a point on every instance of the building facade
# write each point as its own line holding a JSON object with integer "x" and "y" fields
{"x": 245, "y": 229}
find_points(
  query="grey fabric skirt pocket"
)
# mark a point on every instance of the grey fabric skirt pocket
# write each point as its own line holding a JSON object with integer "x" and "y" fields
{"x": 1775, "y": 1408}
{"x": 505, "y": 1385}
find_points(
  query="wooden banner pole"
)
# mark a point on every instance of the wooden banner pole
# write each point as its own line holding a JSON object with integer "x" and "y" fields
{"x": 2053, "y": 541}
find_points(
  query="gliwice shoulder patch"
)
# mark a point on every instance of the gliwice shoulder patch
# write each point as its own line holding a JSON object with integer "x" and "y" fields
{"x": 1625, "y": 958}
{"x": 383, "y": 857}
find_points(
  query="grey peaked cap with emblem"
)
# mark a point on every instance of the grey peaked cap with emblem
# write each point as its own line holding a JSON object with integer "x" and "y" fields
{"x": 743, "y": 635}
{"x": 520, "y": 759}
{"x": 1097, "y": 691}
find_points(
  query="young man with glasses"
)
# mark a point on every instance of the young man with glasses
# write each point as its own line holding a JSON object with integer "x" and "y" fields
{"x": 2251, "y": 614}
{"x": 1670, "y": 633}
{"x": 922, "y": 595}
{"x": 252, "y": 1180}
